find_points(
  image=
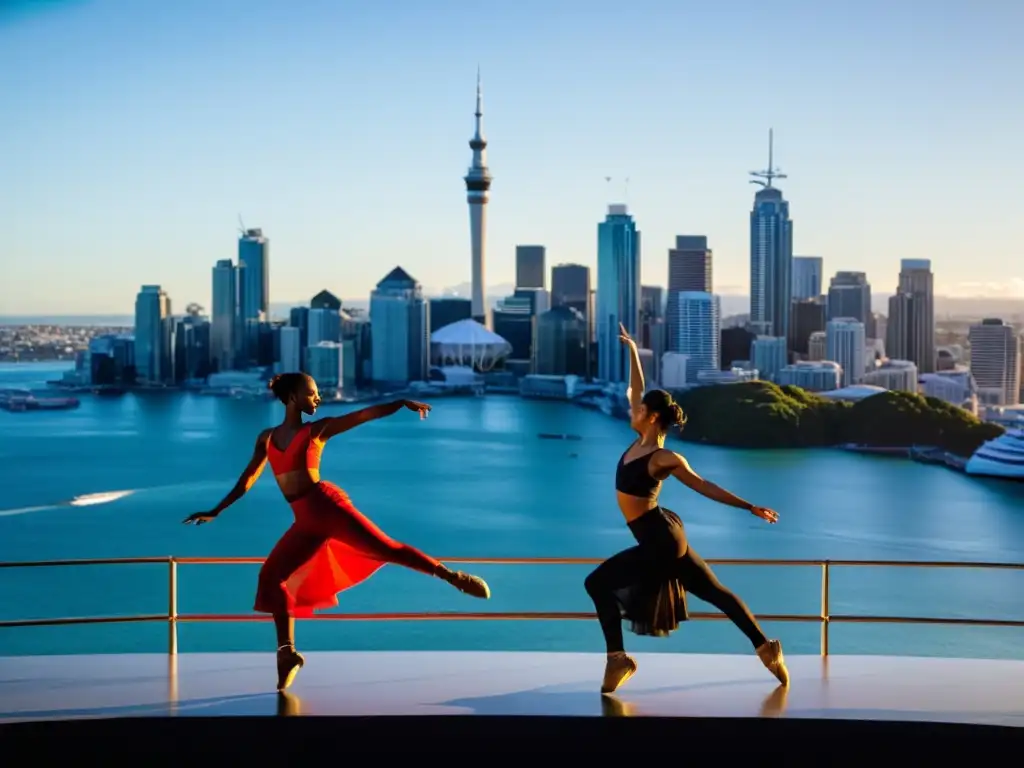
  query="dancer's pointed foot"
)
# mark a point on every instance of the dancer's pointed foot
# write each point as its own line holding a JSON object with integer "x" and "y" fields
{"x": 465, "y": 582}
{"x": 771, "y": 656}
{"x": 619, "y": 668}
{"x": 289, "y": 662}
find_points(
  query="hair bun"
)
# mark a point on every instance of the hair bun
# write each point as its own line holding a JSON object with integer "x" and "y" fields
{"x": 678, "y": 417}
{"x": 273, "y": 382}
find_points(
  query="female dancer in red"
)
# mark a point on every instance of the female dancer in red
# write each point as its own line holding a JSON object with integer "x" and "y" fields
{"x": 331, "y": 546}
{"x": 647, "y": 584}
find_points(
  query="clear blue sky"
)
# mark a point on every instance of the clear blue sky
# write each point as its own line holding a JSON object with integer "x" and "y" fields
{"x": 135, "y": 132}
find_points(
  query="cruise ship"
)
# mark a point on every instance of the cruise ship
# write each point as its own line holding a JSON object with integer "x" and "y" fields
{"x": 1002, "y": 457}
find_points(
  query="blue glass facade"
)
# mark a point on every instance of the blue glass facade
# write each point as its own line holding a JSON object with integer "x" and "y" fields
{"x": 771, "y": 263}
{"x": 618, "y": 291}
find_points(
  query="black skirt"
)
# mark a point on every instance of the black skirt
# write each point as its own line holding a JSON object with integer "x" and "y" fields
{"x": 655, "y": 604}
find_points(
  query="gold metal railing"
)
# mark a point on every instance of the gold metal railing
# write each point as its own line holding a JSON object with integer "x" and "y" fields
{"x": 825, "y": 618}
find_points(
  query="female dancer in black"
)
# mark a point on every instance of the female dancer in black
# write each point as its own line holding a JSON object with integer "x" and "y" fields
{"x": 647, "y": 584}
{"x": 331, "y": 546}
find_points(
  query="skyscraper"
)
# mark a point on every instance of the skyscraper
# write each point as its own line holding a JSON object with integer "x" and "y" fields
{"x": 807, "y": 276}
{"x": 698, "y": 331}
{"x": 530, "y": 266}
{"x": 995, "y": 361}
{"x": 223, "y": 321}
{"x": 771, "y": 254}
{"x": 689, "y": 271}
{"x": 849, "y": 295}
{"x": 253, "y": 294}
{"x": 910, "y": 334}
{"x": 570, "y": 287}
{"x": 478, "y": 185}
{"x": 618, "y": 291}
{"x": 152, "y": 335}
{"x": 844, "y": 344}
{"x": 400, "y": 318}
{"x": 690, "y": 264}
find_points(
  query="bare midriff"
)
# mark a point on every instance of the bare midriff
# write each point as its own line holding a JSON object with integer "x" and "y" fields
{"x": 633, "y": 507}
{"x": 296, "y": 484}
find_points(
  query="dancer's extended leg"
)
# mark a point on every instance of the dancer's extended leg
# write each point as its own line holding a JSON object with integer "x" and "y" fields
{"x": 360, "y": 532}
{"x": 702, "y": 583}
{"x": 622, "y": 570}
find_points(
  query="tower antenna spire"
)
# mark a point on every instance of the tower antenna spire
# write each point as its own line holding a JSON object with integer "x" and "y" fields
{"x": 478, "y": 185}
{"x": 772, "y": 172}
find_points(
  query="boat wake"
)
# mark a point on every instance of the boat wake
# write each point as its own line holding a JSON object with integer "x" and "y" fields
{"x": 106, "y": 497}
{"x": 85, "y": 500}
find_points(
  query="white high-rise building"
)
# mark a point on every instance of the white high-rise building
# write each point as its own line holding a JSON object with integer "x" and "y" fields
{"x": 844, "y": 343}
{"x": 995, "y": 361}
{"x": 897, "y": 375}
{"x": 819, "y": 376}
{"x": 698, "y": 331}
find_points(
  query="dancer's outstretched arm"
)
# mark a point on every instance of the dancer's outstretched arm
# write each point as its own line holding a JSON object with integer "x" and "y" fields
{"x": 665, "y": 463}
{"x": 635, "y": 393}
{"x": 325, "y": 429}
{"x": 246, "y": 480}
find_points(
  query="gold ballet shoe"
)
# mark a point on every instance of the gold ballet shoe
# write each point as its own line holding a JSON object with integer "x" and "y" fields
{"x": 771, "y": 656}
{"x": 619, "y": 668}
{"x": 467, "y": 583}
{"x": 289, "y": 662}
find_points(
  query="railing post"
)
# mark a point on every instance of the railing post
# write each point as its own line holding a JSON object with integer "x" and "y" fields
{"x": 172, "y": 608}
{"x": 824, "y": 607}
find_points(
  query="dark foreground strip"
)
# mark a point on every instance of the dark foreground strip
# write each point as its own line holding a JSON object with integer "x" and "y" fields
{"x": 259, "y": 739}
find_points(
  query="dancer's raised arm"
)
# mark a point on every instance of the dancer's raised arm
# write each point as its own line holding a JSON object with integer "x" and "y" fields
{"x": 635, "y": 393}
{"x": 666, "y": 463}
{"x": 327, "y": 428}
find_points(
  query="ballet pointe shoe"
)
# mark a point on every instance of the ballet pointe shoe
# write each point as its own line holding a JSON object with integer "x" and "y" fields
{"x": 618, "y": 669}
{"x": 467, "y": 583}
{"x": 771, "y": 656}
{"x": 289, "y": 662}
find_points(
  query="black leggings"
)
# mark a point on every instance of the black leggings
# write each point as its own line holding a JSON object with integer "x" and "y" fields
{"x": 631, "y": 565}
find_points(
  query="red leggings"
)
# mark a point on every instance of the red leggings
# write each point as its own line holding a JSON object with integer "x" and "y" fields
{"x": 329, "y": 548}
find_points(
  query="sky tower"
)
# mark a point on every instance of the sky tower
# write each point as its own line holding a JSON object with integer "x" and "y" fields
{"x": 478, "y": 185}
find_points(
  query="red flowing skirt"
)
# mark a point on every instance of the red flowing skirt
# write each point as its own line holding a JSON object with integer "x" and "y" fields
{"x": 329, "y": 548}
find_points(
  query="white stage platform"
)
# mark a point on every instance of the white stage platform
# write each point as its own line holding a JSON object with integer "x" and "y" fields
{"x": 863, "y": 688}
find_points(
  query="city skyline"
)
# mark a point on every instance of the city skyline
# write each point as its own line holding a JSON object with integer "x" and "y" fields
{"x": 89, "y": 159}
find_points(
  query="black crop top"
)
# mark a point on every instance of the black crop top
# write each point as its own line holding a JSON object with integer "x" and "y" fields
{"x": 633, "y": 478}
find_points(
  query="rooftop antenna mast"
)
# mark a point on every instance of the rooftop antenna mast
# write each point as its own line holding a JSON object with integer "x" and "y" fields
{"x": 241, "y": 225}
{"x": 772, "y": 172}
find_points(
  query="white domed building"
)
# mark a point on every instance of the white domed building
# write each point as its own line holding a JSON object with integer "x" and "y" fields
{"x": 461, "y": 353}
{"x": 467, "y": 344}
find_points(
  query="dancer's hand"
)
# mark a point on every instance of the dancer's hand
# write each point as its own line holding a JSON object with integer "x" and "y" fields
{"x": 765, "y": 514}
{"x": 199, "y": 518}
{"x": 422, "y": 408}
{"x": 624, "y": 336}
